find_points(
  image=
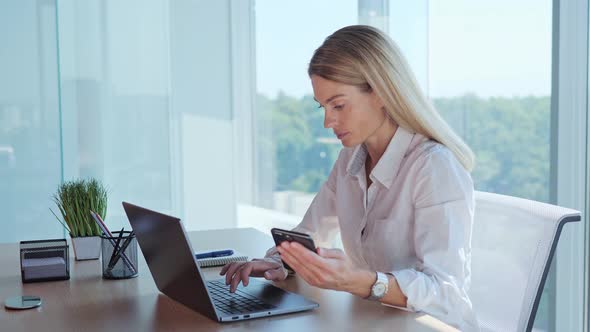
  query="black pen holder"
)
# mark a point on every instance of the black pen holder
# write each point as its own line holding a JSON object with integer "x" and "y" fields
{"x": 44, "y": 260}
{"x": 119, "y": 256}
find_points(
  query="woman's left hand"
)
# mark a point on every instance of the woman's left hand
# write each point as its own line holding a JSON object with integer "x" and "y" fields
{"x": 328, "y": 268}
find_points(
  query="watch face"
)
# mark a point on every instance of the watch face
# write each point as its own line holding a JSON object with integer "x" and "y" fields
{"x": 379, "y": 289}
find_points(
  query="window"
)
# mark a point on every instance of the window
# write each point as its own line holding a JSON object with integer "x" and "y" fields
{"x": 288, "y": 121}
{"x": 90, "y": 92}
{"x": 490, "y": 81}
{"x": 30, "y": 164}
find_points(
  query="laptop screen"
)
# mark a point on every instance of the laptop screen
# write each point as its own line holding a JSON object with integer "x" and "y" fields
{"x": 170, "y": 258}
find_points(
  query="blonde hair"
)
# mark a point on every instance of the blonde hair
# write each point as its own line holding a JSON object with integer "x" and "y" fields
{"x": 365, "y": 57}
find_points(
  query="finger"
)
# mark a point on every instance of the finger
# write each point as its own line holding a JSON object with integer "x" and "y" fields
{"x": 320, "y": 265}
{"x": 245, "y": 274}
{"x": 330, "y": 253}
{"x": 259, "y": 267}
{"x": 235, "y": 281}
{"x": 307, "y": 271}
{"x": 301, "y": 270}
{"x": 277, "y": 274}
{"x": 224, "y": 268}
{"x": 304, "y": 254}
{"x": 231, "y": 271}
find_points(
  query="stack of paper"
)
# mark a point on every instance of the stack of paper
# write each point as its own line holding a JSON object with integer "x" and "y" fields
{"x": 39, "y": 268}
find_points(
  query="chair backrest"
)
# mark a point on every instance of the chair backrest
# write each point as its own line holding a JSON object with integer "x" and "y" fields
{"x": 513, "y": 242}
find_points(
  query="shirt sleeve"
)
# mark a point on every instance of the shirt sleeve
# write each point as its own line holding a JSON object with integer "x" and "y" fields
{"x": 320, "y": 220}
{"x": 444, "y": 206}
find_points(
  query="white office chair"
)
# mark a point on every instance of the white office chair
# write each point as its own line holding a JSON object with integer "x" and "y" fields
{"x": 513, "y": 242}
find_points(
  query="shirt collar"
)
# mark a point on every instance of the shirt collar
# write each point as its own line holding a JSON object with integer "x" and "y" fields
{"x": 390, "y": 162}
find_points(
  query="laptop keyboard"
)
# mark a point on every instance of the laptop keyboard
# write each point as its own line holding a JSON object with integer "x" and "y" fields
{"x": 234, "y": 303}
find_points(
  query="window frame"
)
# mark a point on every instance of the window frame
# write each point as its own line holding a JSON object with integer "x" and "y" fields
{"x": 569, "y": 158}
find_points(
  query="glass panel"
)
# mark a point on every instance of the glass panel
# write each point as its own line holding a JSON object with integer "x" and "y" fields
{"x": 141, "y": 115}
{"x": 288, "y": 121}
{"x": 143, "y": 108}
{"x": 30, "y": 164}
{"x": 492, "y": 82}
{"x": 114, "y": 78}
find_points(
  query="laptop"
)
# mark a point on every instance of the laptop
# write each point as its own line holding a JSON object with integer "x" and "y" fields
{"x": 177, "y": 274}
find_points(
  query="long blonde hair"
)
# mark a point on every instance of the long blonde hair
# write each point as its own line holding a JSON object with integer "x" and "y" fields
{"x": 365, "y": 57}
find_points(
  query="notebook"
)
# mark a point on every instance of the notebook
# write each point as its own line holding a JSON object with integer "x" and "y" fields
{"x": 221, "y": 261}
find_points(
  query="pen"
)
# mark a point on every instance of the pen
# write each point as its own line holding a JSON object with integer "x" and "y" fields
{"x": 121, "y": 251}
{"x": 217, "y": 253}
{"x": 108, "y": 233}
{"x": 115, "y": 250}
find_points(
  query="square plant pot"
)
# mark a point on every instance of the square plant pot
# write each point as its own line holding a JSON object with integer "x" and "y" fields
{"x": 87, "y": 247}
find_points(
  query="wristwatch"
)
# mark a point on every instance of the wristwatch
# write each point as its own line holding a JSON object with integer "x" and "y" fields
{"x": 379, "y": 288}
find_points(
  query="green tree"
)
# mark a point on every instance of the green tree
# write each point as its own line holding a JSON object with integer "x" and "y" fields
{"x": 509, "y": 136}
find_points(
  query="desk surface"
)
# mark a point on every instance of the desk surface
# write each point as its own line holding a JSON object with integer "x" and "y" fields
{"x": 86, "y": 302}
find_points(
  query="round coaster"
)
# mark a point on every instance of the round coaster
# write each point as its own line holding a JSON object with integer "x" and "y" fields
{"x": 22, "y": 302}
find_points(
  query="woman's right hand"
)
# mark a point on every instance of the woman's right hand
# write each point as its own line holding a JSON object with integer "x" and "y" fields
{"x": 242, "y": 271}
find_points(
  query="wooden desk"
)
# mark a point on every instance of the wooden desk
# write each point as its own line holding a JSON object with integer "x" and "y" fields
{"x": 86, "y": 302}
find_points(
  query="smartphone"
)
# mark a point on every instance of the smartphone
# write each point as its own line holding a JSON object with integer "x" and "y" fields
{"x": 280, "y": 235}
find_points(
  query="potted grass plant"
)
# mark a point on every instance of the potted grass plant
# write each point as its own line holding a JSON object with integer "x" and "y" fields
{"x": 75, "y": 199}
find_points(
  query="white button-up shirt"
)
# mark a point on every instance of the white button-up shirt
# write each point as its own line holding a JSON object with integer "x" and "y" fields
{"x": 414, "y": 222}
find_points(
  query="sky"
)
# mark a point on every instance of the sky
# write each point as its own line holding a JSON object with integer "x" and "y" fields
{"x": 489, "y": 48}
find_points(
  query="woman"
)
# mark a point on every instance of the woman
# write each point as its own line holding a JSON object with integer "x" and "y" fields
{"x": 400, "y": 192}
